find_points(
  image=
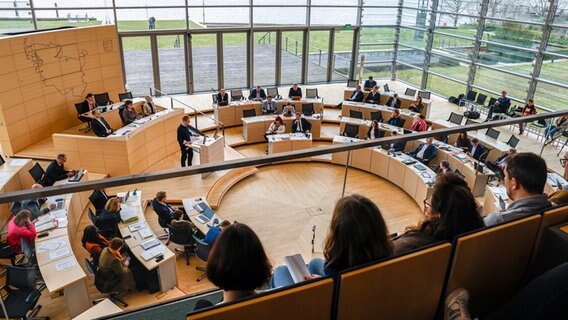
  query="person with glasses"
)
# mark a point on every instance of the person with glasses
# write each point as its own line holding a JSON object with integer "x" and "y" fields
{"x": 450, "y": 211}
{"x": 56, "y": 171}
{"x": 560, "y": 196}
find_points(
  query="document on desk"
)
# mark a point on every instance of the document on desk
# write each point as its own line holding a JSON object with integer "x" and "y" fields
{"x": 152, "y": 252}
{"x": 60, "y": 213}
{"x": 59, "y": 253}
{"x": 137, "y": 226}
{"x": 65, "y": 264}
{"x": 128, "y": 214}
{"x": 62, "y": 222}
{"x": 50, "y": 245}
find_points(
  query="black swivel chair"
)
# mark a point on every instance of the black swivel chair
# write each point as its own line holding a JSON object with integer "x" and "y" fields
{"x": 409, "y": 92}
{"x": 202, "y": 249}
{"x": 92, "y": 216}
{"x": 455, "y": 118}
{"x": 312, "y": 94}
{"x": 15, "y": 207}
{"x": 107, "y": 226}
{"x": 236, "y": 95}
{"x": 377, "y": 115}
{"x": 273, "y": 92}
{"x": 471, "y": 96}
{"x": 386, "y": 87}
{"x": 480, "y": 101}
{"x": 352, "y": 83}
{"x": 513, "y": 141}
{"x": 351, "y": 131}
{"x": 483, "y": 156}
{"x": 164, "y": 224}
{"x": 469, "y": 121}
{"x": 21, "y": 297}
{"x": 183, "y": 237}
{"x": 105, "y": 283}
{"x": 308, "y": 109}
{"x": 30, "y": 254}
{"x": 80, "y": 110}
{"x": 492, "y": 133}
{"x": 121, "y": 114}
{"x": 99, "y": 199}
{"x": 355, "y": 114}
{"x": 36, "y": 172}
{"x": 249, "y": 113}
{"x": 125, "y": 96}
{"x": 424, "y": 94}
{"x": 103, "y": 99}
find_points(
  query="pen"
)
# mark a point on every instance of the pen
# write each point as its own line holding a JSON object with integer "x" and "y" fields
{"x": 134, "y": 237}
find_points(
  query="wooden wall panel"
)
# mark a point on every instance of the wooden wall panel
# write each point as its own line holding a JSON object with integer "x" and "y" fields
{"x": 49, "y": 72}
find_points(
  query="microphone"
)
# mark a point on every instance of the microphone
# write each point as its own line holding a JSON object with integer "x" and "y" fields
{"x": 134, "y": 192}
{"x": 313, "y": 237}
{"x": 213, "y": 90}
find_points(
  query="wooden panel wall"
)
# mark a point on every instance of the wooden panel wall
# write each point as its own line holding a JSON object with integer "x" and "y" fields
{"x": 44, "y": 74}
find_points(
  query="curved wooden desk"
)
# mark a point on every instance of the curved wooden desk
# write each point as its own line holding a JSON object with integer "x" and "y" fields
{"x": 367, "y": 108}
{"x": 406, "y": 101}
{"x": 132, "y": 150}
{"x": 254, "y": 128}
{"x": 14, "y": 176}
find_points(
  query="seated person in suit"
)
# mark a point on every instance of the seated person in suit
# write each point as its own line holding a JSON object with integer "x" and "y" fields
{"x": 288, "y": 110}
{"x": 394, "y": 146}
{"x": 129, "y": 114}
{"x": 417, "y": 105}
{"x": 149, "y": 107}
{"x": 463, "y": 142}
{"x": 369, "y": 83}
{"x": 477, "y": 149}
{"x": 179, "y": 222}
{"x": 425, "y": 151}
{"x": 443, "y": 167}
{"x": 94, "y": 242}
{"x": 357, "y": 95}
{"x": 163, "y": 209}
{"x": 257, "y": 94}
{"x": 215, "y": 231}
{"x": 295, "y": 91}
{"x": 113, "y": 264}
{"x": 34, "y": 205}
{"x": 100, "y": 126}
{"x": 450, "y": 211}
{"x": 222, "y": 97}
{"x": 89, "y": 103}
{"x": 395, "y": 119}
{"x": 277, "y": 126}
{"x": 56, "y": 171}
{"x": 237, "y": 264}
{"x": 419, "y": 124}
{"x": 374, "y": 96}
{"x": 374, "y": 132}
{"x": 301, "y": 124}
{"x": 499, "y": 165}
{"x": 501, "y": 105}
{"x": 108, "y": 219}
{"x": 269, "y": 106}
{"x": 394, "y": 102}
{"x": 21, "y": 228}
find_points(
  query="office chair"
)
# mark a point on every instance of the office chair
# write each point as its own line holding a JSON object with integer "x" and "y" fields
{"x": 7, "y": 253}
{"x": 104, "y": 283}
{"x": 409, "y": 92}
{"x": 377, "y": 115}
{"x": 202, "y": 253}
{"x": 236, "y": 95}
{"x": 164, "y": 224}
{"x": 455, "y": 118}
{"x": 80, "y": 110}
{"x": 513, "y": 141}
{"x": 184, "y": 237}
{"x": 312, "y": 94}
{"x": 30, "y": 254}
{"x": 249, "y": 113}
{"x": 480, "y": 101}
{"x": 492, "y": 133}
{"x": 214, "y": 98}
{"x": 471, "y": 96}
{"x": 37, "y": 172}
{"x": 351, "y": 131}
{"x": 386, "y": 87}
{"x": 355, "y": 114}
{"x": 469, "y": 121}
{"x": 402, "y": 122}
{"x": 92, "y": 216}
{"x": 273, "y": 92}
{"x": 352, "y": 83}
{"x": 125, "y": 96}
{"x": 16, "y": 207}
{"x": 107, "y": 226}
{"x": 99, "y": 199}
{"x": 102, "y": 99}
{"x": 424, "y": 94}
{"x": 483, "y": 156}
{"x": 121, "y": 113}
{"x": 308, "y": 109}
{"x": 21, "y": 298}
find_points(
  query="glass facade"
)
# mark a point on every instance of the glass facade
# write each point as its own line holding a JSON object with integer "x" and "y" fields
{"x": 522, "y": 47}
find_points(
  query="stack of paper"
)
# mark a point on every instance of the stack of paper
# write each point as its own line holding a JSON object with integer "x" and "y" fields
{"x": 152, "y": 252}
{"x": 297, "y": 267}
{"x": 128, "y": 214}
{"x": 59, "y": 253}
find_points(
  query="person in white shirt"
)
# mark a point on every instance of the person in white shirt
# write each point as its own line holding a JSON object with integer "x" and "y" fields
{"x": 288, "y": 110}
{"x": 269, "y": 106}
{"x": 276, "y": 127}
{"x": 100, "y": 127}
{"x": 149, "y": 106}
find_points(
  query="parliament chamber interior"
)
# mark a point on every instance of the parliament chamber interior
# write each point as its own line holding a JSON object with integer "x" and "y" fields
{"x": 308, "y": 159}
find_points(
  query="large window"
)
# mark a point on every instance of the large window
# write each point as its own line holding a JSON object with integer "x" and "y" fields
{"x": 264, "y": 58}
{"x": 138, "y": 64}
{"x": 317, "y": 59}
{"x": 235, "y": 59}
{"x": 291, "y": 63}
{"x": 171, "y": 50}
{"x": 204, "y": 61}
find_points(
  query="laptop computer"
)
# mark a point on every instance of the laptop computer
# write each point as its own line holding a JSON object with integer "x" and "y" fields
{"x": 59, "y": 203}
{"x": 206, "y": 215}
{"x": 296, "y": 97}
{"x": 78, "y": 176}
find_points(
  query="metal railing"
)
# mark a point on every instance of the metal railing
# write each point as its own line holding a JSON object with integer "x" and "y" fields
{"x": 259, "y": 160}
{"x": 195, "y": 111}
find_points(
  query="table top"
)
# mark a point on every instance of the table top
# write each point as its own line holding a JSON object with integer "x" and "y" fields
{"x": 111, "y": 107}
{"x": 101, "y": 309}
{"x": 289, "y": 136}
{"x": 128, "y": 129}
{"x": 188, "y": 204}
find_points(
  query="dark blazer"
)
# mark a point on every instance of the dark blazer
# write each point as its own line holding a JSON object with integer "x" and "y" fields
{"x": 397, "y": 146}
{"x": 464, "y": 144}
{"x": 85, "y": 107}
{"x": 34, "y": 207}
{"x": 376, "y": 97}
{"x": 183, "y": 134}
{"x": 163, "y": 210}
{"x": 129, "y": 116}
{"x": 378, "y": 133}
{"x": 479, "y": 150}
{"x": 389, "y": 103}
{"x": 54, "y": 172}
{"x": 98, "y": 128}
{"x": 369, "y": 84}
{"x": 417, "y": 108}
{"x": 429, "y": 154}
{"x": 306, "y": 125}
{"x": 357, "y": 96}
{"x": 397, "y": 122}
{"x": 294, "y": 93}
{"x": 224, "y": 98}
{"x": 253, "y": 94}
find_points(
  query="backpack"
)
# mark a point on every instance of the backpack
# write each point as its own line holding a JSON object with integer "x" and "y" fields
{"x": 472, "y": 114}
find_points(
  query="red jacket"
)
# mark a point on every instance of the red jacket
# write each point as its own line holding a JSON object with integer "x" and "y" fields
{"x": 16, "y": 233}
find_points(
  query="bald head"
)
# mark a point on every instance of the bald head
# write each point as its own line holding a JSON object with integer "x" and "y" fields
{"x": 36, "y": 186}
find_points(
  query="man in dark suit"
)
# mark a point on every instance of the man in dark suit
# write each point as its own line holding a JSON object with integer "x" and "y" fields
{"x": 425, "y": 151}
{"x": 222, "y": 98}
{"x": 477, "y": 150}
{"x": 394, "y": 146}
{"x": 394, "y": 101}
{"x": 295, "y": 91}
{"x": 56, "y": 171}
{"x": 257, "y": 94}
{"x": 498, "y": 165}
{"x": 369, "y": 84}
{"x": 163, "y": 209}
{"x": 301, "y": 124}
{"x": 374, "y": 96}
{"x": 89, "y": 103}
{"x": 184, "y": 134}
{"x": 34, "y": 205}
{"x": 269, "y": 106}
{"x": 357, "y": 95}
{"x": 99, "y": 125}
